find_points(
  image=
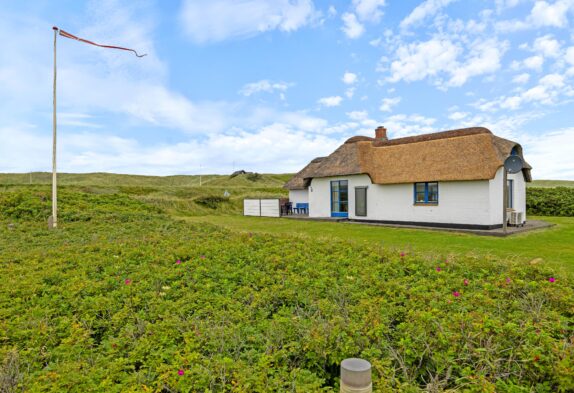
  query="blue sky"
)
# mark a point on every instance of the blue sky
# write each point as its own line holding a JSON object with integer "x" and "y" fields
{"x": 268, "y": 85}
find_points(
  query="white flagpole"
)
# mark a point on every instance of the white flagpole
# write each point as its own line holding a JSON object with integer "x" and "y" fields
{"x": 53, "y": 221}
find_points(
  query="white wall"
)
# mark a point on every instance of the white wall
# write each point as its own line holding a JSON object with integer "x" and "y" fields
{"x": 298, "y": 196}
{"x": 497, "y": 191}
{"x": 460, "y": 202}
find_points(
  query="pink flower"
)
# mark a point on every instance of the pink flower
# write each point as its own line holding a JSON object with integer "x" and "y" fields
{"x": 178, "y": 262}
{"x": 202, "y": 256}
{"x": 465, "y": 281}
{"x": 180, "y": 372}
{"x": 128, "y": 281}
{"x": 438, "y": 268}
{"x": 508, "y": 280}
{"x": 446, "y": 261}
{"x": 551, "y": 279}
{"x": 402, "y": 254}
{"x": 456, "y": 294}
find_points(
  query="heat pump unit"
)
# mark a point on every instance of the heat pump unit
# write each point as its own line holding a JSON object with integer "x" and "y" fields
{"x": 516, "y": 218}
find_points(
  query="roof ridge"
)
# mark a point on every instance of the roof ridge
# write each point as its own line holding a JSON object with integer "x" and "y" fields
{"x": 455, "y": 133}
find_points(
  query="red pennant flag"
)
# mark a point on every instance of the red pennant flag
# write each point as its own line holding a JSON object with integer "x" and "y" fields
{"x": 73, "y": 37}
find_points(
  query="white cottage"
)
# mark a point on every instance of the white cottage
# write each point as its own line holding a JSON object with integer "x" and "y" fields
{"x": 444, "y": 179}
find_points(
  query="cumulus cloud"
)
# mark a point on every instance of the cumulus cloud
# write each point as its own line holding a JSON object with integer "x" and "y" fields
{"x": 89, "y": 152}
{"x": 351, "y": 26}
{"x": 369, "y": 10}
{"x": 206, "y": 21}
{"x": 485, "y": 58}
{"x": 426, "y": 9}
{"x": 547, "y": 46}
{"x": 542, "y": 14}
{"x": 387, "y": 104}
{"x": 330, "y": 101}
{"x": 406, "y": 125}
{"x": 416, "y": 61}
{"x": 522, "y": 78}
{"x": 349, "y": 78}
{"x": 547, "y": 91}
{"x": 458, "y": 115}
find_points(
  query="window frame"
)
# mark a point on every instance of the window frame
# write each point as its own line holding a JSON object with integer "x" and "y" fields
{"x": 426, "y": 201}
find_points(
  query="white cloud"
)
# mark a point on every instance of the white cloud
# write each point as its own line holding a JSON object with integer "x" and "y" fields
{"x": 264, "y": 86}
{"x": 547, "y": 92}
{"x": 330, "y": 101}
{"x": 424, "y": 10}
{"x": 569, "y": 57}
{"x": 349, "y": 78}
{"x": 352, "y": 27}
{"x": 369, "y": 10}
{"x": 207, "y": 21}
{"x": 534, "y": 62}
{"x": 358, "y": 115}
{"x": 547, "y": 46}
{"x": 521, "y": 79}
{"x": 406, "y": 125}
{"x": 350, "y": 92}
{"x": 543, "y": 14}
{"x": 485, "y": 57}
{"x": 551, "y": 14}
{"x": 388, "y": 103}
{"x": 458, "y": 115}
{"x": 417, "y": 61}
{"x": 89, "y": 152}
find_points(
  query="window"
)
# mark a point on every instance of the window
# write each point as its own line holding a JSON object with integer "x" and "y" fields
{"x": 510, "y": 202}
{"x": 514, "y": 151}
{"x": 361, "y": 201}
{"x": 426, "y": 193}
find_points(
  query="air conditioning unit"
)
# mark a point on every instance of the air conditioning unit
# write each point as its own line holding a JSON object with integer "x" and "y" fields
{"x": 515, "y": 218}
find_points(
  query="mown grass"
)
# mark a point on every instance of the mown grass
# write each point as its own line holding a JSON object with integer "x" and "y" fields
{"x": 102, "y": 305}
{"x": 554, "y": 245}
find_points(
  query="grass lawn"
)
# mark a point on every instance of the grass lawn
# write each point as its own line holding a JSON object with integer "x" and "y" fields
{"x": 554, "y": 245}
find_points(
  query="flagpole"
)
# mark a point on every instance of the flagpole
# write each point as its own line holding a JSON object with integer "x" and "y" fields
{"x": 53, "y": 223}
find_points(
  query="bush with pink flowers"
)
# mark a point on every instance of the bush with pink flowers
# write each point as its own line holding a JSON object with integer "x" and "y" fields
{"x": 102, "y": 305}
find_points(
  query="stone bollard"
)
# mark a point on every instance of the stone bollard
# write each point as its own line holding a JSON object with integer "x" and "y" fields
{"x": 356, "y": 376}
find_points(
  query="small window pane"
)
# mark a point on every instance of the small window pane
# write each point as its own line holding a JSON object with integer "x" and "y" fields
{"x": 335, "y": 185}
{"x": 433, "y": 192}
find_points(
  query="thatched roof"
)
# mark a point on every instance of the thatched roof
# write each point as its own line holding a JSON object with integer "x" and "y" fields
{"x": 465, "y": 154}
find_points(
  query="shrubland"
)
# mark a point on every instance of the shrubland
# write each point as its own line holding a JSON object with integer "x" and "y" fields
{"x": 122, "y": 297}
{"x": 557, "y": 201}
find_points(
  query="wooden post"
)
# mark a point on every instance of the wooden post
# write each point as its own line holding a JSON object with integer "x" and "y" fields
{"x": 53, "y": 221}
{"x": 505, "y": 200}
{"x": 356, "y": 376}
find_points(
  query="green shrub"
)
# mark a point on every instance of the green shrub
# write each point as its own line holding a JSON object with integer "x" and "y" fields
{"x": 253, "y": 176}
{"x": 557, "y": 201}
{"x": 103, "y": 305}
{"x": 212, "y": 202}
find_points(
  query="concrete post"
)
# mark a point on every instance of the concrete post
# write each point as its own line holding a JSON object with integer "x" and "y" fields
{"x": 356, "y": 376}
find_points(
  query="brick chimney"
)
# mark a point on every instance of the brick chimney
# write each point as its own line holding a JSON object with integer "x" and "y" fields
{"x": 381, "y": 134}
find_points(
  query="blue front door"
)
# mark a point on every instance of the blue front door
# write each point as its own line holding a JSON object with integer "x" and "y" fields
{"x": 339, "y": 198}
